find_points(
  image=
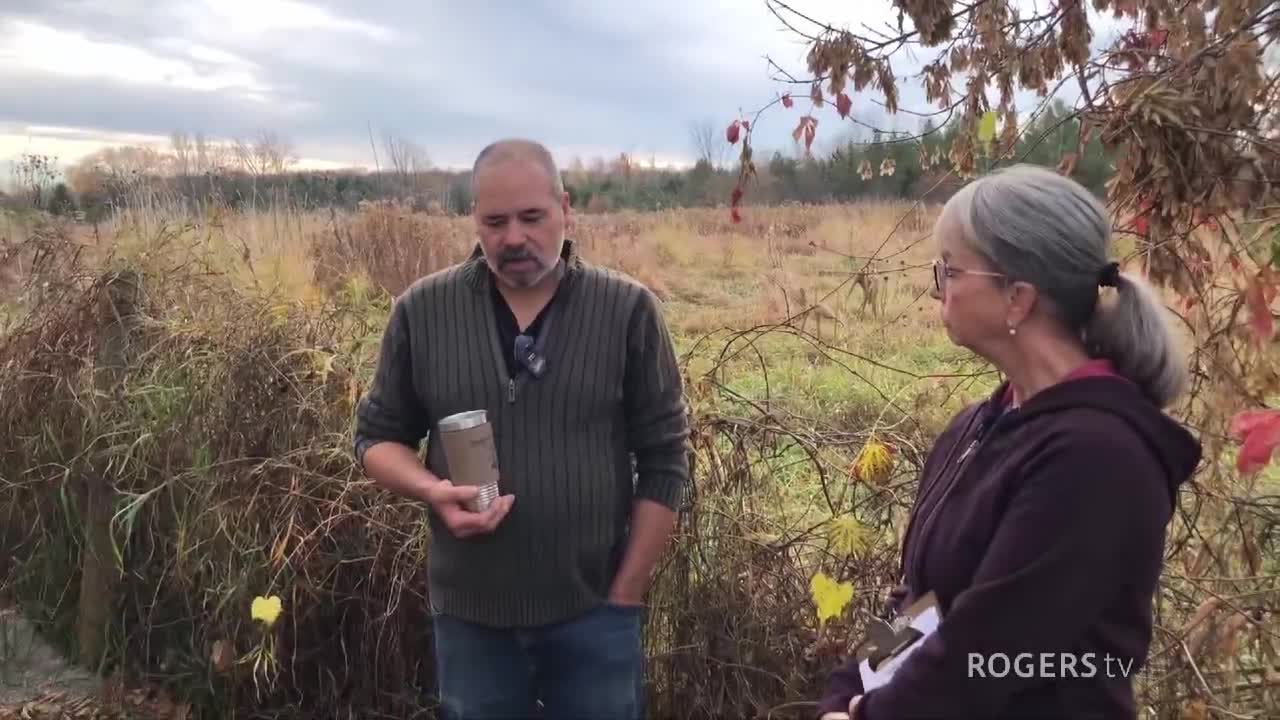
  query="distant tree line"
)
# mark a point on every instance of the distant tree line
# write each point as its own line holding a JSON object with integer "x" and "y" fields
{"x": 257, "y": 174}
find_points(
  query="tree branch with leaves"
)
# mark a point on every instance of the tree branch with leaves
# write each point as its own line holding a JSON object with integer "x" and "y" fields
{"x": 1184, "y": 99}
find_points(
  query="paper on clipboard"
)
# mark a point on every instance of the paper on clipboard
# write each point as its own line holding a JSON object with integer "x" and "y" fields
{"x": 926, "y": 623}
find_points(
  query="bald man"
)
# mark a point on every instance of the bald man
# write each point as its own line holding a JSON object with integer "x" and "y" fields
{"x": 538, "y": 600}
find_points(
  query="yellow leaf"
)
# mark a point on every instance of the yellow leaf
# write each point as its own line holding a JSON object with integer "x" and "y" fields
{"x": 265, "y": 610}
{"x": 847, "y": 535}
{"x": 987, "y": 128}
{"x": 829, "y": 596}
{"x": 873, "y": 463}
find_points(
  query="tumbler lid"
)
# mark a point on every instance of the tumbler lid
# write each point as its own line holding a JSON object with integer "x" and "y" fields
{"x": 463, "y": 420}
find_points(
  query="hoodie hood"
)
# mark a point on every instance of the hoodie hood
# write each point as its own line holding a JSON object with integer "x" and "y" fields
{"x": 1178, "y": 451}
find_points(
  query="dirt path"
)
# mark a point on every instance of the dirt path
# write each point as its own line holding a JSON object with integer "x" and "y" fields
{"x": 29, "y": 667}
{"x": 37, "y": 683}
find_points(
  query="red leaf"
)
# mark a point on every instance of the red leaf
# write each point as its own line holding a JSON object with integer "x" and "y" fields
{"x": 787, "y": 101}
{"x": 806, "y": 128}
{"x": 731, "y": 134}
{"x": 1141, "y": 225}
{"x": 1261, "y": 323}
{"x": 843, "y": 105}
{"x": 1156, "y": 39}
{"x": 1249, "y": 421}
{"x": 1260, "y": 432}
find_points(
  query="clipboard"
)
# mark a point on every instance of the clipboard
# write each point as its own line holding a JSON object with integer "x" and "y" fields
{"x": 888, "y": 645}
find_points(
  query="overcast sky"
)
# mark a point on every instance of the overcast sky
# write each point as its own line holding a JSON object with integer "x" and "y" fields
{"x": 588, "y": 77}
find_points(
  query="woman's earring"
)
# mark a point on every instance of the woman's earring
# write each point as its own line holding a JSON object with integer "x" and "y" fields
{"x": 1013, "y": 330}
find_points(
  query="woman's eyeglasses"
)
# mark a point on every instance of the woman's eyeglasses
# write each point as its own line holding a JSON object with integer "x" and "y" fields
{"x": 942, "y": 271}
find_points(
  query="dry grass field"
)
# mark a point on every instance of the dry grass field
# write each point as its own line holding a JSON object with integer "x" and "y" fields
{"x": 807, "y": 334}
{"x": 839, "y": 294}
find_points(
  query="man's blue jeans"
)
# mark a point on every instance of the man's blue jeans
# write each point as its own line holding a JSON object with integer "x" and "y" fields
{"x": 588, "y": 667}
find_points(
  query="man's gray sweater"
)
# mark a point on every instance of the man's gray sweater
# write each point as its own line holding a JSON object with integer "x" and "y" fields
{"x": 611, "y": 389}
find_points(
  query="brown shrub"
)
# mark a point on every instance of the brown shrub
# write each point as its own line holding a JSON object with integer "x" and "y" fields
{"x": 390, "y": 244}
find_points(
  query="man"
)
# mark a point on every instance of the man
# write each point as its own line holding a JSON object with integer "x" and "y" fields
{"x": 539, "y": 598}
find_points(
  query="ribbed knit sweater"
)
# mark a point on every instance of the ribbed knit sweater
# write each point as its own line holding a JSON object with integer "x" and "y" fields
{"x": 611, "y": 391}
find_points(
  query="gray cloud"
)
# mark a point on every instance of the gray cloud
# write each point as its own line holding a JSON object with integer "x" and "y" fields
{"x": 87, "y": 103}
{"x": 585, "y": 77}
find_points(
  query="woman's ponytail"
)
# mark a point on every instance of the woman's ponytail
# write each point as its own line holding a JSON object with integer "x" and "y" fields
{"x": 1131, "y": 327}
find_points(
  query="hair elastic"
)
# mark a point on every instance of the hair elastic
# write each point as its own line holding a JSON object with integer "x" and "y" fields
{"x": 1109, "y": 276}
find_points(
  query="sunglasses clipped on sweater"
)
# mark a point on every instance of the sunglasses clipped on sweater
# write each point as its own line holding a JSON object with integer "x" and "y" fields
{"x": 528, "y": 357}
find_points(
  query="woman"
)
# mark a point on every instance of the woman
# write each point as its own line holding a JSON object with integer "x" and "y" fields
{"x": 1041, "y": 513}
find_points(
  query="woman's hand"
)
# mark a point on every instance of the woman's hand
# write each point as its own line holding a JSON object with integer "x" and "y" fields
{"x": 853, "y": 705}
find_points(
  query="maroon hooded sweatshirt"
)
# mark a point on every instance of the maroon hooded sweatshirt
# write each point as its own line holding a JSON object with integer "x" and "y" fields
{"x": 1042, "y": 531}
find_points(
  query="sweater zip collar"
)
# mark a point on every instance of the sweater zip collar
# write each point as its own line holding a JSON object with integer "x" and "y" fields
{"x": 479, "y": 267}
{"x": 548, "y": 326}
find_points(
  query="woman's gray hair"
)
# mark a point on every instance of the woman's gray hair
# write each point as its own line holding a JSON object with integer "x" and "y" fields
{"x": 1043, "y": 228}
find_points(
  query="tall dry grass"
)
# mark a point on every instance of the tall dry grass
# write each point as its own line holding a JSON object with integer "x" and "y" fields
{"x": 227, "y": 443}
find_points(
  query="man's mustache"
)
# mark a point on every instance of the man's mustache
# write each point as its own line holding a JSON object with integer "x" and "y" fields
{"x": 510, "y": 256}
